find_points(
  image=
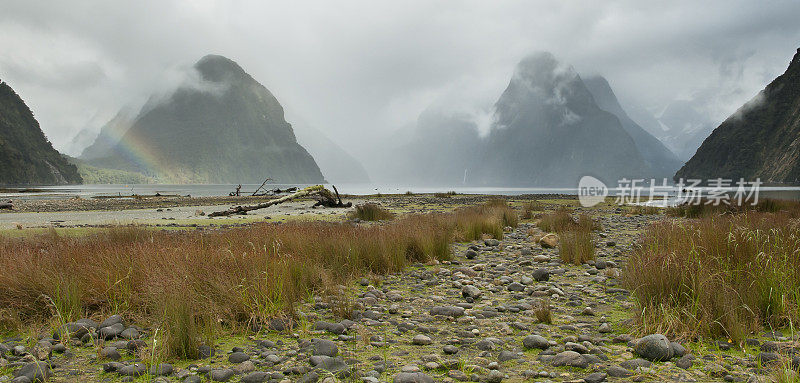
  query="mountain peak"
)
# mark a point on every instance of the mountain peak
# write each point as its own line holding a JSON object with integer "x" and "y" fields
{"x": 543, "y": 68}
{"x": 216, "y": 68}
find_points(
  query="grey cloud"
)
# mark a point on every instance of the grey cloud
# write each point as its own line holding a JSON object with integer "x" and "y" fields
{"x": 361, "y": 69}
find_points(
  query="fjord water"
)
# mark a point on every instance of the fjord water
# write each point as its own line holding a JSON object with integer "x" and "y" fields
{"x": 216, "y": 190}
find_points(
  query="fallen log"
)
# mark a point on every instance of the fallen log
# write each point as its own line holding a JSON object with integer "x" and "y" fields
{"x": 323, "y": 196}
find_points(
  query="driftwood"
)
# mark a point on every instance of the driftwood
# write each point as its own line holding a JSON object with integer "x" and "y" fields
{"x": 7, "y": 205}
{"x": 323, "y": 196}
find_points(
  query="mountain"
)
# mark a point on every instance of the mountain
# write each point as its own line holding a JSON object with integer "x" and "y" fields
{"x": 760, "y": 140}
{"x": 109, "y": 136}
{"x": 79, "y": 142}
{"x": 336, "y": 164}
{"x": 683, "y": 128}
{"x": 26, "y": 156}
{"x": 220, "y": 126}
{"x": 662, "y": 162}
{"x": 547, "y": 131}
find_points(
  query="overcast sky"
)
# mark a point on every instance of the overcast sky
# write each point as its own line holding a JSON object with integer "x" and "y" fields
{"x": 356, "y": 68}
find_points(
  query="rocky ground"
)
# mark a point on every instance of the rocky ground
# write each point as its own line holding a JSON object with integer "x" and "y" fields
{"x": 472, "y": 319}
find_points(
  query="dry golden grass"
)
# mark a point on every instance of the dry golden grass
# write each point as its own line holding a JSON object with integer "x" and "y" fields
{"x": 576, "y": 247}
{"x": 719, "y": 276}
{"x": 186, "y": 283}
{"x": 542, "y": 311}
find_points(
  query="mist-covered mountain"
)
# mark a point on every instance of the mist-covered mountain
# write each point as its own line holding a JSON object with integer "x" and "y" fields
{"x": 26, "y": 156}
{"x": 682, "y": 127}
{"x": 760, "y": 140}
{"x": 109, "y": 136}
{"x": 221, "y": 127}
{"x": 336, "y": 164}
{"x": 548, "y": 130}
{"x": 662, "y": 161}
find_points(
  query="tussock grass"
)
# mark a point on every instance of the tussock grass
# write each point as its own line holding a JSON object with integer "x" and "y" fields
{"x": 719, "y": 276}
{"x": 530, "y": 208}
{"x": 557, "y": 221}
{"x": 237, "y": 278}
{"x": 576, "y": 247}
{"x": 371, "y": 212}
{"x": 543, "y": 312}
{"x": 704, "y": 209}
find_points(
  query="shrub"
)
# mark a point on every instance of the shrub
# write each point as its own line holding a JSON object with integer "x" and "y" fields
{"x": 719, "y": 276}
{"x": 371, "y": 212}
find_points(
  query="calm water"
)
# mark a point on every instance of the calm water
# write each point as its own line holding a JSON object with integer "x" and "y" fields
{"x": 355, "y": 189}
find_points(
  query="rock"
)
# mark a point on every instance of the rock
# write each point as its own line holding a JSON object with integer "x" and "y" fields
{"x": 450, "y": 350}
{"x": 34, "y": 372}
{"x": 309, "y": 377}
{"x": 328, "y": 363}
{"x": 244, "y": 367}
{"x": 541, "y": 258}
{"x": 192, "y": 379}
{"x": 470, "y": 291}
{"x": 130, "y": 333}
{"x": 238, "y": 357}
{"x": 635, "y": 363}
{"x": 506, "y": 356}
{"x": 412, "y": 377}
{"x": 588, "y": 311}
{"x": 655, "y": 347}
{"x": 516, "y": 286}
{"x": 133, "y": 370}
{"x": 324, "y": 347}
{"x": 163, "y": 369}
{"x": 605, "y": 328}
{"x": 495, "y": 377}
{"x": 597, "y": 377}
{"x": 549, "y": 241}
{"x": 677, "y": 350}
{"x": 205, "y": 352}
{"x": 255, "y": 377}
{"x": 618, "y": 372}
{"x": 110, "y": 321}
{"x": 112, "y": 331}
{"x": 451, "y": 311}
{"x": 571, "y": 359}
{"x": 484, "y": 345}
{"x": 221, "y": 375}
{"x": 421, "y": 340}
{"x": 110, "y": 353}
{"x": 541, "y": 275}
{"x": 535, "y": 341}
{"x": 470, "y": 254}
{"x": 767, "y": 358}
{"x": 685, "y": 362}
{"x": 42, "y": 350}
{"x": 491, "y": 242}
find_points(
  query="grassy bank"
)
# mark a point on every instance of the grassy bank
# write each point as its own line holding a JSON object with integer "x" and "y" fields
{"x": 188, "y": 283}
{"x": 720, "y": 276}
